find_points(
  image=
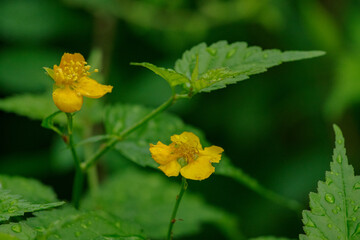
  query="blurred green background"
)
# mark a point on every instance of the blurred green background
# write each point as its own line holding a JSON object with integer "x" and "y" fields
{"x": 276, "y": 126}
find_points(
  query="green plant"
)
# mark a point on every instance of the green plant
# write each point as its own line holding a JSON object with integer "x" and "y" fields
{"x": 132, "y": 204}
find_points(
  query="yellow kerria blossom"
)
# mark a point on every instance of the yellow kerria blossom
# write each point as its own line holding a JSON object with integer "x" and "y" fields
{"x": 72, "y": 82}
{"x": 185, "y": 155}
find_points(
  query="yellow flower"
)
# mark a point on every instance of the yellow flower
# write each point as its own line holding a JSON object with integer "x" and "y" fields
{"x": 72, "y": 82}
{"x": 185, "y": 155}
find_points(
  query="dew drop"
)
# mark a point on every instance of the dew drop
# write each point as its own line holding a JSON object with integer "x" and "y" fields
{"x": 12, "y": 209}
{"x": 40, "y": 229}
{"x": 339, "y": 141}
{"x": 329, "y": 225}
{"x": 329, "y": 181}
{"x": 338, "y": 208}
{"x": 310, "y": 223}
{"x": 83, "y": 225}
{"x": 353, "y": 219}
{"x": 231, "y": 53}
{"x": 16, "y": 228}
{"x": 335, "y": 211}
{"x": 266, "y": 55}
{"x": 212, "y": 51}
{"x": 339, "y": 159}
{"x": 356, "y": 208}
{"x": 329, "y": 198}
{"x": 357, "y": 185}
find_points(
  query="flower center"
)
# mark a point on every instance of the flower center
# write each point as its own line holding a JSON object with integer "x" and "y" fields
{"x": 188, "y": 152}
{"x": 71, "y": 71}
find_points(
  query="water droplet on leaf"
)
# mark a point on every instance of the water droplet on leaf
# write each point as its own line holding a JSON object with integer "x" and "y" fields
{"x": 356, "y": 208}
{"x": 329, "y": 181}
{"x": 40, "y": 229}
{"x": 357, "y": 185}
{"x": 212, "y": 51}
{"x": 12, "y": 209}
{"x": 329, "y": 225}
{"x": 16, "y": 228}
{"x": 310, "y": 223}
{"x": 231, "y": 53}
{"x": 339, "y": 159}
{"x": 329, "y": 198}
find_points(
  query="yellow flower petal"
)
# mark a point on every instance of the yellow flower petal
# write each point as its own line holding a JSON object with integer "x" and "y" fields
{"x": 213, "y": 152}
{"x": 187, "y": 138}
{"x": 90, "y": 88}
{"x": 171, "y": 169}
{"x": 162, "y": 153}
{"x": 199, "y": 169}
{"x": 67, "y": 100}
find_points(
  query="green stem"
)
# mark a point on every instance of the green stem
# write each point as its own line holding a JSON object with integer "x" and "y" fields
{"x": 79, "y": 176}
{"x": 111, "y": 143}
{"x": 184, "y": 186}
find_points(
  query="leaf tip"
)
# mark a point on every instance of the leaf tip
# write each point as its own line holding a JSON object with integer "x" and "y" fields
{"x": 338, "y": 134}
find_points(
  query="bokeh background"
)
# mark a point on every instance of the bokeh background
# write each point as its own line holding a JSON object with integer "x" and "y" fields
{"x": 276, "y": 126}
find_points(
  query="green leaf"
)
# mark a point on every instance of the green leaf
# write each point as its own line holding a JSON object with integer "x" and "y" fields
{"x": 32, "y": 106}
{"x": 237, "y": 59}
{"x": 29, "y": 189}
{"x": 335, "y": 207}
{"x": 18, "y": 231}
{"x": 14, "y": 205}
{"x": 149, "y": 201}
{"x": 49, "y": 72}
{"x": 136, "y": 146}
{"x": 209, "y": 68}
{"x": 48, "y": 123}
{"x": 69, "y": 224}
{"x": 5, "y": 236}
{"x": 172, "y": 77}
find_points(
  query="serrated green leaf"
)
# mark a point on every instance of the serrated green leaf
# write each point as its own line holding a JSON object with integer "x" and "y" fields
{"x": 149, "y": 201}
{"x": 69, "y": 224}
{"x": 237, "y": 58}
{"x": 172, "y": 77}
{"x": 29, "y": 189}
{"x": 14, "y": 205}
{"x": 136, "y": 146}
{"x": 32, "y": 106}
{"x": 335, "y": 207}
